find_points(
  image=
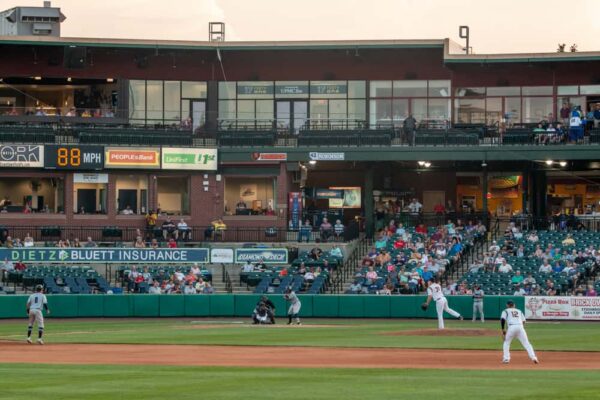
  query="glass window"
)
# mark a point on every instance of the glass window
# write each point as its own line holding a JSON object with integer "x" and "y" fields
{"x": 380, "y": 89}
{"x": 318, "y": 110}
{"x": 245, "y": 109}
{"x": 589, "y": 89}
{"x": 566, "y": 90}
{"x": 419, "y": 109}
{"x": 410, "y": 89}
{"x": 512, "y": 110}
{"x": 255, "y": 90}
{"x": 338, "y": 109}
{"x": 291, "y": 89}
{"x": 193, "y": 90}
{"x": 43, "y": 195}
{"x": 154, "y": 100}
{"x": 249, "y": 196}
{"x": 470, "y": 91}
{"x": 226, "y": 90}
{"x": 329, "y": 89}
{"x": 264, "y": 109}
{"x": 357, "y": 89}
{"x": 470, "y": 111}
{"x": 380, "y": 113}
{"x": 172, "y": 100}
{"x": 185, "y": 110}
{"x": 570, "y": 102}
{"x": 227, "y": 109}
{"x": 537, "y": 90}
{"x": 173, "y": 195}
{"x": 504, "y": 91}
{"x": 536, "y": 109}
{"x": 439, "y": 109}
{"x": 439, "y": 89}
{"x": 399, "y": 110}
{"x": 132, "y": 192}
{"x": 89, "y": 198}
{"x": 493, "y": 110}
{"x": 137, "y": 99}
{"x": 357, "y": 110}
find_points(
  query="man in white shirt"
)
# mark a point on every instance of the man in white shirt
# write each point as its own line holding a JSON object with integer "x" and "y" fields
{"x": 511, "y": 321}
{"x": 415, "y": 207}
{"x": 183, "y": 230}
{"x": 155, "y": 288}
{"x": 247, "y": 267}
{"x": 505, "y": 268}
{"x": 35, "y": 303}
{"x": 494, "y": 248}
{"x": 545, "y": 268}
{"x": 434, "y": 292}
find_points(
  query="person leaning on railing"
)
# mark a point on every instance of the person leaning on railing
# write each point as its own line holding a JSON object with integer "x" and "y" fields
{"x": 304, "y": 231}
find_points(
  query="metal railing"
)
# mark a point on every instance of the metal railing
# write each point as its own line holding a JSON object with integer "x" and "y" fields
{"x": 349, "y": 265}
{"x": 226, "y": 279}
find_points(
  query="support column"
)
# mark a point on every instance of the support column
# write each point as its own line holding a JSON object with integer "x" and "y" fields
{"x": 484, "y": 199}
{"x": 539, "y": 188}
{"x": 368, "y": 207}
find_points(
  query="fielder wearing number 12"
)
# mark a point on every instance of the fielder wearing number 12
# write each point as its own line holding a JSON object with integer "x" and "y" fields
{"x": 512, "y": 321}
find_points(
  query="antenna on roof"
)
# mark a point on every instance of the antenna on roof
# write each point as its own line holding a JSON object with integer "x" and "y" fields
{"x": 463, "y": 33}
{"x": 216, "y": 31}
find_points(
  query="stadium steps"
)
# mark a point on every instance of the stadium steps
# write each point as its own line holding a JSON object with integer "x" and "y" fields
{"x": 234, "y": 275}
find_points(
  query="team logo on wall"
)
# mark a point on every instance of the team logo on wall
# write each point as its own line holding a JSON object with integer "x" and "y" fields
{"x": 21, "y": 156}
{"x": 269, "y": 156}
{"x": 316, "y": 156}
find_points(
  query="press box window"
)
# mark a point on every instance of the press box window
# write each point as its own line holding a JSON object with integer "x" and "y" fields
{"x": 132, "y": 192}
{"x": 249, "y": 196}
{"x": 36, "y": 195}
{"x": 173, "y": 195}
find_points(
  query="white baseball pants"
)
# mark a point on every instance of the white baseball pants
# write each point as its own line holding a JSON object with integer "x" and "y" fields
{"x": 517, "y": 331}
{"x": 478, "y": 309}
{"x": 442, "y": 305}
{"x": 36, "y": 316}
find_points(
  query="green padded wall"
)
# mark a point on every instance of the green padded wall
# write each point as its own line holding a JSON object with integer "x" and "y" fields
{"x": 242, "y": 305}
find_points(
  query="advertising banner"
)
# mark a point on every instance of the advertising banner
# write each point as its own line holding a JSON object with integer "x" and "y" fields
{"x": 90, "y": 178}
{"x": 562, "y": 307}
{"x": 269, "y": 156}
{"x": 224, "y": 256}
{"x": 22, "y": 156}
{"x": 329, "y": 194}
{"x": 317, "y": 156}
{"x": 295, "y": 209}
{"x": 78, "y": 157}
{"x": 268, "y": 255}
{"x": 189, "y": 159}
{"x": 104, "y": 255}
{"x": 125, "y": 157}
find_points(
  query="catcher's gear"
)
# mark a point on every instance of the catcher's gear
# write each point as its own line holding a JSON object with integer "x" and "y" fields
{"x": 424, "y": 306}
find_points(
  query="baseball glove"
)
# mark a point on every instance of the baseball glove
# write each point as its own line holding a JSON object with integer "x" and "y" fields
{"x": 424, "y": 306}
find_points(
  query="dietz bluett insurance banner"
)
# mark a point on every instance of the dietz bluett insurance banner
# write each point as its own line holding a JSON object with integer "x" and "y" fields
{"x": 105, "y": 255}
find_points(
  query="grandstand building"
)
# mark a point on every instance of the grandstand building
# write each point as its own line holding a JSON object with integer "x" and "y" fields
{"x": 97, "y": 132}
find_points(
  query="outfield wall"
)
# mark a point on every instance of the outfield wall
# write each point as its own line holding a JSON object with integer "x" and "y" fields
{"x": 241, "y": 305}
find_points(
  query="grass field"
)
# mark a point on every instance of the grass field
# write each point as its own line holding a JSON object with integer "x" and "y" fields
{"x": 24, "y": 381}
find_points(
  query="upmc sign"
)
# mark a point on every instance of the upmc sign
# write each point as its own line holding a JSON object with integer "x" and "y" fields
{"x": 22, "y": 156}
{"x": 124, "y": 157}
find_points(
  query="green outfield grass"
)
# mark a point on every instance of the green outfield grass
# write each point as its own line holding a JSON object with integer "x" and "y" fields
{"x": 145, "y": 382}
{"x": 574, "y": 336}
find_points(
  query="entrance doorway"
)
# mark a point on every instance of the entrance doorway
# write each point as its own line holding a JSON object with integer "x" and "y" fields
{"x": 291, "y": 114}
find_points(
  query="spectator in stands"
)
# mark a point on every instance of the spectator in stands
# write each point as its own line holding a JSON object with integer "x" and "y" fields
{"x": 17, "y": 243}
{"x": 241, "y": 207}
{"x": 557, "y": 268}
{"x": 190, "y": 277}
{"x": 154, "y": 244}
{"x": 415, "y": 207}
{"x": 315, "y": 253}
{"x": 309, "y": 276}
{"x": 6, "y": 267}
{"x": 189, "y": 288}
{"x": 533, "y": 237}
{"x": 260, "y": 265}
{"x": 355, "y": 287}
{"x": 565, "y": 113}
{"x": 76, "y": 243}
{"x": 494, "y": 248}
{"x": 591, "y": 292}
{"x": 90, "y": 243}
{"x": 371, "y": 276}
{"x": 183, "y": 230}
{"x": 155, "y": 288}
{"x": 569, "y": 241}
{"x": 247, "y": 267}
{"x": 596, "y": 115}
{"x": 427, "y": 274}
{"x": 545, "y": 268}
{"x": 200, "y": 285}
{"x": 28, "y": 241}
{"x": 409, "y": 128}
{"x": 151, "y": 218}
{"x": 168, "y": 228}
{"x": 530, "y": 280}
{"x": 579, "y": 291}
{"x": 326, "y": 230}
{"x": 517, "y": 278}
{"x": 139, "y": 243}
{"x": 338, "y": 229}
{"x": 519, "y": 291}
{"x": 20, "y": 266}
{"x": 550, "y": 289}
{"x": 172, "y": 244}
{"x": 520, "y": 252}
{"x": 304, "y": 231}
{"x": 127, "y": 211}
{"x": 505, "y": 267}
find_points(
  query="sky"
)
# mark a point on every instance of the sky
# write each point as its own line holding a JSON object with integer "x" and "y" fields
{"x": 507, "y": 26}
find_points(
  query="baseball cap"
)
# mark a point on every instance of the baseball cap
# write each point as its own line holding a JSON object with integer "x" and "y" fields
{"x": 510, "y": 303}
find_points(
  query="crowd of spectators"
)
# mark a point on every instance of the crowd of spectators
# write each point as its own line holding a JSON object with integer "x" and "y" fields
{"x": 181, "y": 281}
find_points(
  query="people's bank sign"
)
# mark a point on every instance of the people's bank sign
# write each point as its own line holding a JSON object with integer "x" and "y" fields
{"x": 267, "y": 255}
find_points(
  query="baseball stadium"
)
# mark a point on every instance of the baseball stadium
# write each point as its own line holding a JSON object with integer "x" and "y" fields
{"x": 320, "y": 219}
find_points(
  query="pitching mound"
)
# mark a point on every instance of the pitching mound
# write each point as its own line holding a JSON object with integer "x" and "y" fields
{"x": 444, "y": 332}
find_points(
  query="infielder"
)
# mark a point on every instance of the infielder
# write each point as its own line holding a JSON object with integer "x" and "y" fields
{"x": 514, "y": 318}
{"x": 295, "y": 305}
{"x": 35, "y": 303}
{"x": 434, "y": 291}
{"x": 478, "y": 303}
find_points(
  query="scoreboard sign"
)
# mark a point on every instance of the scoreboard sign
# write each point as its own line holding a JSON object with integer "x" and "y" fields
{"x": 74, "y": 157}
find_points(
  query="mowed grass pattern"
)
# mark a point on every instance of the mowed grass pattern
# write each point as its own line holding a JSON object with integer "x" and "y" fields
{"x": 49, "y": 382}
{"x": 568, "y": 336}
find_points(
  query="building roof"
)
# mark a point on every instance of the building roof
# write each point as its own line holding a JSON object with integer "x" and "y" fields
{"x": 451, "y": 49}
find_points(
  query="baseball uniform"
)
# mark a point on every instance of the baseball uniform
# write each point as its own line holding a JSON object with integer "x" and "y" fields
{"x": 441, "y": 304}
{"x": 514, "y": 318}
{"x": 478, "y": 304}
{"x": 35, "y": 303}
{"x": 294, "y": 308}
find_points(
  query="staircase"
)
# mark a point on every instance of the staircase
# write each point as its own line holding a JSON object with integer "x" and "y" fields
{"x": 344, "y": 275}
{"x": 230, "y": 283}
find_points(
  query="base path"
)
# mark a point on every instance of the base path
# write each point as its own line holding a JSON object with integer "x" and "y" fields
{"x": 291, "y": 357}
